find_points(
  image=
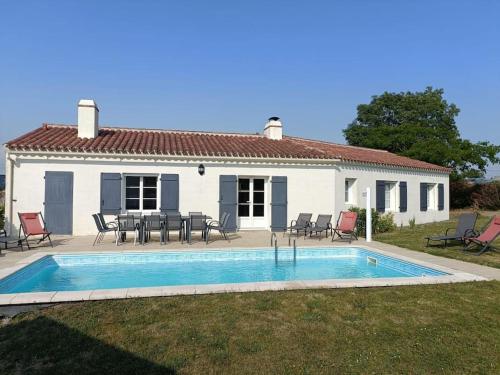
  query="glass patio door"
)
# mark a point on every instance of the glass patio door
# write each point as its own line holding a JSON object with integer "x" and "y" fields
{"x": 251, "y": 202}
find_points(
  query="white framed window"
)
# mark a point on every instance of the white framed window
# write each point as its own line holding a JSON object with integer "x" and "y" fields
{"x": 390, "y": 195}
{"x": 141, "y": 193}
{"x": 432, "y": 197}
{"x": 350, "y": 191}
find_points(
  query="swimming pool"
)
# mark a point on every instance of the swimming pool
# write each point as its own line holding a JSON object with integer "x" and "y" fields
{"x": 78, "y": 272}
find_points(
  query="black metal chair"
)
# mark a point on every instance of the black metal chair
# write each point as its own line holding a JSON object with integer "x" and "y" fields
{"x": 197, "y": 223}
{"x": 129, "y": 223}
{"x": 107, "y": 225}
{"x": 102, "y": 229}
{"x": 220, "y": 226}
{"x": 174, "y": 223}
{"x": 154, "y": 223}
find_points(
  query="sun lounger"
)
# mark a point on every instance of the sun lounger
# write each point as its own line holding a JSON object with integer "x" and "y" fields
{"x": 486, "y": 238}
{"x": 465, "y": 228}
{"x": 322, "y": 224}
{"x": 32, "y": 224}
{"x": 303, "y": 221}
{"x": 346, "y": 226}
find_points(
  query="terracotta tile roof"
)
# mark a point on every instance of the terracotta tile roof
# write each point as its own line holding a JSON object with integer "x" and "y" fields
{"x": 62, "y": 138}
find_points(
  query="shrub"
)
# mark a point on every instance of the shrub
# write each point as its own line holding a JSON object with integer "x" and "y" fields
{"x": 385, "y": 223}
{"x": 487, "y": 196}
{"x": 380, "y": 223}
{"x": 411, "y": 222}
{"x": 461, "y": 194}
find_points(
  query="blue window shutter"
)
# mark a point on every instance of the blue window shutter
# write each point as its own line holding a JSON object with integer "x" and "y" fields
{"x": 169, "y": 193}
{"x": 380, "y": 196}
{"x": 403, "y": 196}
{"x": 228, "y": 186}
{"x": 111, "y": 193}
{"x": 279, "y": 203}
{"x": 423, "y": 196}
{"x": 440, "y": 197}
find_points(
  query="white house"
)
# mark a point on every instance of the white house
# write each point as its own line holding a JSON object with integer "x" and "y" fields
{"x": 264, "y": 180}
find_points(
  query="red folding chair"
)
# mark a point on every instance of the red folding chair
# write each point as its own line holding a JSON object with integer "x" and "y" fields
{"x": 486, "y": 238}
{"x": 346, "y": 226}
{"x": 32, "y": 224}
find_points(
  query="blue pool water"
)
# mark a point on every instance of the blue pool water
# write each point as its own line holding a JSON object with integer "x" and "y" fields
{"x": 128, "y": 270}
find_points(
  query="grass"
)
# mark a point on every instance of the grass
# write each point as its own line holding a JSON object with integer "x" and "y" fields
{"x": 414, "y": 239}
{"x": 435, "y": 329}
{"x": 432, "y": 329}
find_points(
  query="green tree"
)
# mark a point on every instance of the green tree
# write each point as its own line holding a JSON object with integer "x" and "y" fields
{"x": 420, "y": 125}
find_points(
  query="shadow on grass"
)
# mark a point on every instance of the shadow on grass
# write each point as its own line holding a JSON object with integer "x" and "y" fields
{"x": 45, "y": 346}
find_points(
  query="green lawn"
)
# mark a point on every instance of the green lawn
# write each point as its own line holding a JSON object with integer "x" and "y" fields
{"x": 434, "y": 329}
{"x": 440, "y": 329}
{"x": 414, "y": 239}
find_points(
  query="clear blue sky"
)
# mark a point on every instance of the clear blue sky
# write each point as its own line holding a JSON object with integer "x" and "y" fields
{"x": 229, "y": 65}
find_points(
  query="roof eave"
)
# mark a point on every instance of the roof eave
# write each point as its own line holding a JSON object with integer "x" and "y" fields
{"x": 177, "y": 156}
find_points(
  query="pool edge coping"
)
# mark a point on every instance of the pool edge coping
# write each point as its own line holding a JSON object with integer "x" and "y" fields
{"x": 454, "y": 276}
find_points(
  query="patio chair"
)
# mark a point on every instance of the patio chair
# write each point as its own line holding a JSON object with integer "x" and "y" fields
{"x": 107, "y": 225}
{"x": 129, "y": 223}
{"x": 174, "y": 222}
{"x": 302, "y": 222}
{"x": 8, "y": 241}
{"x": 33, "y": 224}
{"x": 322, "y": 224}
{"x": 486, "y": 238}
{"x": 197, "y": 223}
{"x": 221, "y": 226}
{"x": 345, "y": 228}
{"x": 465, "y": 228}
{"x": 154, "y": 223}
{"x": 102, "y": 228}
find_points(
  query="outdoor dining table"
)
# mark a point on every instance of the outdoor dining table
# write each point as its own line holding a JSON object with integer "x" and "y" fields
{"x": 186, "y": 223}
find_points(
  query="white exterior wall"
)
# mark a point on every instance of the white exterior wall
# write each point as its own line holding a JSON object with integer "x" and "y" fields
{"x": 366, "y": 176}
{"x": 196, "y": 193}
{"x": 311, "y": 188}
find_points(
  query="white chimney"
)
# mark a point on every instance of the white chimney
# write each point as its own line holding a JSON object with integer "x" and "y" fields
{"x": 273, "y": 129}
{"x": 88, "y": 119}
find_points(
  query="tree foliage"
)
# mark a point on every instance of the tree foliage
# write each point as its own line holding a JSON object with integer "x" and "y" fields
{"x": 420, "y": 125}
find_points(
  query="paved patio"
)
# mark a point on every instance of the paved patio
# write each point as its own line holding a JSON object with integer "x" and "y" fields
{"x": 243, "y": 239}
